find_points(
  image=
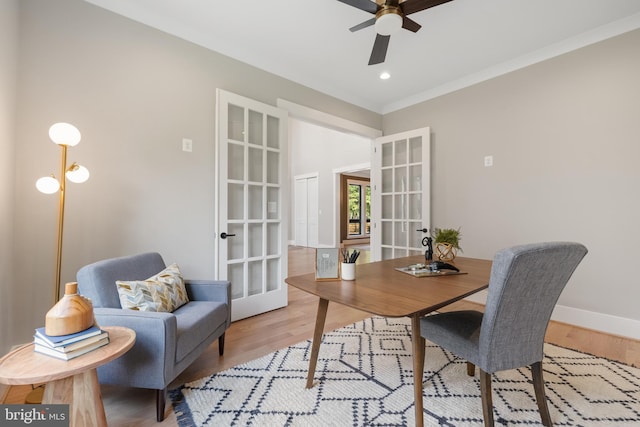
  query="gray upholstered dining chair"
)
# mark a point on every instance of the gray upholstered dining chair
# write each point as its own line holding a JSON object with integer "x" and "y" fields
{"x": 525, "y": 284}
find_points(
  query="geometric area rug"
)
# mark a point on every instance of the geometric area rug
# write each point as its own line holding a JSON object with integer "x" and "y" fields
{"x": 364, "y": 378}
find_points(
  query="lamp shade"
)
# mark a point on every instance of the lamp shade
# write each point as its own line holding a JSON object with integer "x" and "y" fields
{"x": 47, "y": 185}
{"x": 64, "y": 134}
{"x": 388, "y": 23}
{"x": 77, "y": 173}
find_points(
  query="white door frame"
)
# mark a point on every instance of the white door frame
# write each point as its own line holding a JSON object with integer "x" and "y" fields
{"x": 336, "y": 195}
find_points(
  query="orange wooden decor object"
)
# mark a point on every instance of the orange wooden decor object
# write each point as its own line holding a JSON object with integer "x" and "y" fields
{"x": 73, "y": 313}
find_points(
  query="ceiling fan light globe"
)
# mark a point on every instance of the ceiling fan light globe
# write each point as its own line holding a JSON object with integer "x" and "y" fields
{"x": 388, "y": 24}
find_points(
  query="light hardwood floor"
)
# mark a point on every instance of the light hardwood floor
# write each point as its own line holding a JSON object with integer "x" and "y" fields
{"x": 250, "y": 338}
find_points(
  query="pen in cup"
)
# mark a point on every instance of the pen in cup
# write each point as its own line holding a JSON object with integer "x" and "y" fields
{"x": 350, "y": 258}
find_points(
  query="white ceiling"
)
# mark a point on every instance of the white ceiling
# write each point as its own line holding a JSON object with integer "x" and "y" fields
{"x": 461, "y": 42}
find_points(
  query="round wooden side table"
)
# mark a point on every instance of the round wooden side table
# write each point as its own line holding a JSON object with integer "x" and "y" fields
{"x": 73, "y": 382}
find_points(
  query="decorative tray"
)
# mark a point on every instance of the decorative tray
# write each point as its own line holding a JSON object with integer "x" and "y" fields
{"x": 427, "y": 270}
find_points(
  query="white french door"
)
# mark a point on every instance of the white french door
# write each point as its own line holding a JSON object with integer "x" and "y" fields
{"x": 401, "y": 192}
{"x": 251, "y": 203}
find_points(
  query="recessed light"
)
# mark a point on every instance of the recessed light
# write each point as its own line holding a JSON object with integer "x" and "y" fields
{"x": 385, "y": 75}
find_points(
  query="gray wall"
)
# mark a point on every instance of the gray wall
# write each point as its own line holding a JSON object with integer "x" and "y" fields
{"x": 134, "y": 93}
{"x": 8, "y": 68}
{"x": 565, "y": 139}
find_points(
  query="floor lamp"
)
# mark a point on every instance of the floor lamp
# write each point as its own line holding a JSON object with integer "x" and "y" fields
{"x": 65, "y": 135}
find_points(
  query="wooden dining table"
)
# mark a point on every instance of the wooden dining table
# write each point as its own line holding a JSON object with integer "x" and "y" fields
{"x": 381, "y": 289}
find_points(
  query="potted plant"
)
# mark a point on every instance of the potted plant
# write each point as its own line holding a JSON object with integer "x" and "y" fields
{"x": 447, "y": 243}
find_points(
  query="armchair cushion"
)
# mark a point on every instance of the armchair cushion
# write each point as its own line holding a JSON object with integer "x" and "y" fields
{"x": 163, "y": 292}
{"x": 196, "y": 320}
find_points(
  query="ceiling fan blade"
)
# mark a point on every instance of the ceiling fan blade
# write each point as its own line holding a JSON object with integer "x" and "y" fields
{"x": 412, "y": 6}
{"x": 379, "y": 52}
{"x": 410, "y": 24}
{"x": 365, "y": 24}
{"x": 366, "y": 5}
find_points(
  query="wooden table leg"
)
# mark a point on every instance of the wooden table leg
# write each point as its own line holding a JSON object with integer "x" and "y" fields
{"x": 418, "y": 343}
{"x": 323, "y": 304}
{"x": 82, "y": 393}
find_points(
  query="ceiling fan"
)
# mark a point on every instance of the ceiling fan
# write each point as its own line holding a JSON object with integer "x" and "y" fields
{"x": 390, "y": 16}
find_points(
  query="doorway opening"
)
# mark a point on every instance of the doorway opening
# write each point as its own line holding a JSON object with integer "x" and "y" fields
{"x": 358, "y": 209}
{"x": 355, "y": 209}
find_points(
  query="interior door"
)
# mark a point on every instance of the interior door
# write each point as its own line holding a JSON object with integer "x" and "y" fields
{"x": 401, "y": 192}
{"x": 312, "y": 212}
{"x": 306, "y": 211}
{"x": 302, "y": 229}
{"x": 251, "y": 203}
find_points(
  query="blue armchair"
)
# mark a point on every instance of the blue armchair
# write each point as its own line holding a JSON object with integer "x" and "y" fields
{"x": 166, "y": 343}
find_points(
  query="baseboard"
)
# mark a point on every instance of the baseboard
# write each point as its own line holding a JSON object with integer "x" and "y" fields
{"x": 607, "y": 323}
{"x": 363, "y": 241}
{"x": 614, "y": 325}
{"x": 293, "y": 243}
{"x": 320, "y": 246}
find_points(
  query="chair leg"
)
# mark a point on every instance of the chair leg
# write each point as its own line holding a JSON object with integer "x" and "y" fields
{"x": 538, "y": 386}
{"x": 221, "y": 345}
{"x": 471, "y": 369}
{"x": 161, "y": 398}
{"x": 487, "y": 402}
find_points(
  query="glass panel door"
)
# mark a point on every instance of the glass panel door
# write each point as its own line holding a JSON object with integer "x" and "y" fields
{"x": 250, "y": 202}
{"x": 401, "y": 194}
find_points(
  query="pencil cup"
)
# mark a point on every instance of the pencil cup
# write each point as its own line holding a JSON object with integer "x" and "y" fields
{"x": 348, "y": 271}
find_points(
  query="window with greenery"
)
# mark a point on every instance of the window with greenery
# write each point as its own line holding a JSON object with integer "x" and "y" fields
{"x": 359, "y": 211}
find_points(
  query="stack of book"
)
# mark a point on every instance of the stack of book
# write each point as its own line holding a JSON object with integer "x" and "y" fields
{"x": 67, "y": 347}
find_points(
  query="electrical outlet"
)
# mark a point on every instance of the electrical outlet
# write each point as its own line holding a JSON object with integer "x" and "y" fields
{"x": 488, "y": 161}
{"x": 187, "y": 145}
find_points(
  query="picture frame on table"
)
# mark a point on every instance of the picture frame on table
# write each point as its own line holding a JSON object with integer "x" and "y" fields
{"x": 327, "y": 264}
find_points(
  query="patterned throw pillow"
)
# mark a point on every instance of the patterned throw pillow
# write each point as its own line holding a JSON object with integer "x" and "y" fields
{"x": 163, "y": 292}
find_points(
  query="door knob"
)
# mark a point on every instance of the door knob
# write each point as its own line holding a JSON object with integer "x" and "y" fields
{"x": 224, "y": 235}
{"x": 424, "y": 230}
